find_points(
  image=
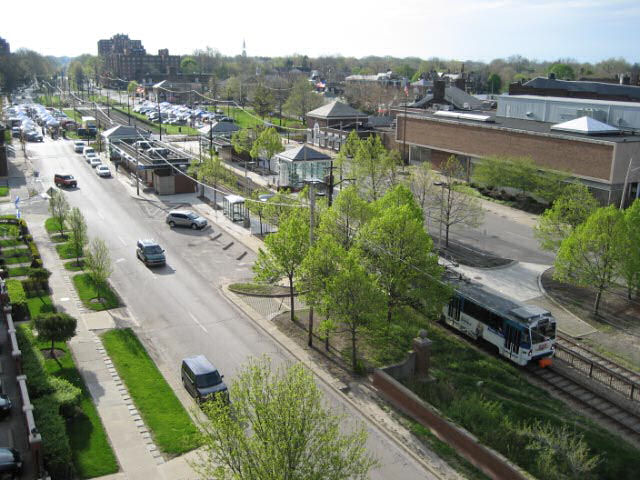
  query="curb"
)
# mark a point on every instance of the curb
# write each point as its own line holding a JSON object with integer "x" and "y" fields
{"x": 250, "y": 312}
{"x": 559, "y": 305}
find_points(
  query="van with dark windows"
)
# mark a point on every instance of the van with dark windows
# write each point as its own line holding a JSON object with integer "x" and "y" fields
{"x": 201, "y": 379}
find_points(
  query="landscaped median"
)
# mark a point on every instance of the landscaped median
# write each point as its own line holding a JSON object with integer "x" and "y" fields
{"x": 171, "y": 427}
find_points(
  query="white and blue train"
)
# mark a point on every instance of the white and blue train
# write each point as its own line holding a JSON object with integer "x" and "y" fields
{"x": 522, "y": 333}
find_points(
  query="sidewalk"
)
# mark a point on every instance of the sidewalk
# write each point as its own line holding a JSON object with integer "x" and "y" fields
{"x": 138, "y": 457}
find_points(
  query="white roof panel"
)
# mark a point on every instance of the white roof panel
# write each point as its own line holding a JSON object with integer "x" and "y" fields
{"x": 585, "y": 125}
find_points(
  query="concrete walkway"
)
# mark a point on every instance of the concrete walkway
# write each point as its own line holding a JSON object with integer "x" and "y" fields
{"x": 137, "y": 455}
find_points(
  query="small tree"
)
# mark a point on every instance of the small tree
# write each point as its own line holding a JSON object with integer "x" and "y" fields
{"x": 59, "y": 209}
{"x": 242, "y": 141}
{"x": 345, "y": 217}
{"x": 371, "y": 166}
{"x": 285, "y": 251}
{"x": 269, "y": 142}
{"x": 263, "y": 101}
{"x": 630, "y": 264}
{"x": 132, "y": 87}
{"x": 519, "y": 173}
{"x": 55, "y": 327}
{"x": 188, "y": 65}
{"x": 278, "y": 426}
{"x": 302, "y": 99}
{"x": 78, "y": 232}
{"x": 591, "y": 255}
{"x": 571, "y": 208}
{"x": 98, "y": 264}
{"x": 421, "y": 184}
{"x": 453, "y": 206}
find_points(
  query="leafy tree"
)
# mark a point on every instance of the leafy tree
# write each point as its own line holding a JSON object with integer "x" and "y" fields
{"x": 59, "y": 209}
{"x": 76, "y": 72}
{"x": 571, "y": 208}
{"x": 277, "y": 426}
{"x": 55, "y": 327}
{"x": 420, "y": 182}
{"x": 98, "y": 264}
{"x": 214, "y": 86}
{"x": 212, "y": 172}
{"x": 263, "y": 101}
{"x": 399, "y": 253}
{"x": 345, "y": 217}
{"x": 232, "y": 88}
{"x": 630, "y": 264}
{"x": 494, "y": 83}
{"x": 242, "y": 140}
{"x": 268, "y": 142}
{"x": 562, "y": 71}
{"x": 77, "y": 232}
{"x": 132, "y": 87}
{"x": 353, "y": 298}
{"x": 590, "y": 256}
{"x": 453, "y": 206}
{"x": 188, "y": 65}
{"x": 302, "y": 99}
{"x": 515, "y": 172}
{"x": 372, "y": 166}
{"x": 276, "y": 208}
{"x": 285, "y": 251}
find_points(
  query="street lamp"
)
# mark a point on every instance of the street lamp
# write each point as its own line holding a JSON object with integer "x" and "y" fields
{"x": 443, "y": 185}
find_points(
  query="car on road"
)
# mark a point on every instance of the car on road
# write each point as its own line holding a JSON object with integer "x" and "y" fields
{"x": 10, "y": 462}
{"x": 78, "y": 146}
{"x": 34, "y": 136}
{"x": 5, "y": 406}
{"x": 103, "y": 171}
{"x": 150, "y": 253}
{"x": 95, "y": 161}
{"x": 186, "y": 218}
{"x": 88, "y": 151}
{"x": 201, "y": 379}
{"x": 64, "y": 180}
{"x": 91, "y": 156}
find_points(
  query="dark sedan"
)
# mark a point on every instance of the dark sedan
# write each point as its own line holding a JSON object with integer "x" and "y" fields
{"x": 5, "y": 406}
{"x": 10, "y": 462}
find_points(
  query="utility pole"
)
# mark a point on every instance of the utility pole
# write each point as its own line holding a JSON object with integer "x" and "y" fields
{"x": 159, "y": 114}
{"x": 137, "y": 172}
{"x": 312, "y": 204}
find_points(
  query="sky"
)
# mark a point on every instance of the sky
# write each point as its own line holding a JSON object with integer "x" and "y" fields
{"x": 584, "y": 30}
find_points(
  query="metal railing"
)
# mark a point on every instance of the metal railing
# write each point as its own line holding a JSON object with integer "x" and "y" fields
{"x": 613, "y": 380}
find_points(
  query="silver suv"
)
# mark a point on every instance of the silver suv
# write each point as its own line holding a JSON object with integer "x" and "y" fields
{"x": 186, "y": 218}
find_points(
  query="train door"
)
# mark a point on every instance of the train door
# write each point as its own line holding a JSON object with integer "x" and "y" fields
{"x": 454, "y": 308}
{"x": 512, "y": 337}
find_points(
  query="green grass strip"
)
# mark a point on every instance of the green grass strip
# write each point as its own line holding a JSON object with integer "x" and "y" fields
{"x": 65, "y": 251}
{"x": 92, "y": 453}
{"x": 38, "y": 305}
{"x": 18, "y": 271}
{"x": 4, "y": 191}
{"x": 52, "y": 225}
{"x": 173, "y": 431}
{"x": 87, "y": 292}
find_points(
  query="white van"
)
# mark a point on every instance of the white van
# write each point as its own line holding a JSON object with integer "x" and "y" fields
{"x": 78, "y": 146}
{"x": 88, "y": 151}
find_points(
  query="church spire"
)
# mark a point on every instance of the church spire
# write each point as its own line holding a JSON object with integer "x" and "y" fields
{"x": 244, "y": 48}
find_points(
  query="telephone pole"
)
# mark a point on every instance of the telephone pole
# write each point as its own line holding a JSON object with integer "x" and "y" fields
{"x": 312, "y": 204}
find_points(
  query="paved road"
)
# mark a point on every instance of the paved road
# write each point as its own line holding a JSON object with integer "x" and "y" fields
{"x": 178, "y": 310}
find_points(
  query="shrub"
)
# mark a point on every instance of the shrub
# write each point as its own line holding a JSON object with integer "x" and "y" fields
{"x": 39, "y": 273}
{"x": 18, "y": 299}
{"x": 67, "y": 396}
{"x": 36, "y": 263}
{"x": 55, "y": 443}
{"x": 33, "y": 364}
{"x": 33, "y": 248}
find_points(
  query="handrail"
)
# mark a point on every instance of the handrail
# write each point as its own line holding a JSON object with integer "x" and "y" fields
{"x": 599, "y": 373}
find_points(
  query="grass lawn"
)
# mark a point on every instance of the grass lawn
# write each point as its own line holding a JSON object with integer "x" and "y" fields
{"x": 52, "y": 226}
{"x": 18, "y": 271}
{"x": 10, "y": 242}
{"x": 14, "y": 260}
{"x": 65, "y": 251}
{"x": 92, "y": 453}
{"x": 491, "y": 398}
{"x": 37, "y": 305}
{"x": 172, "y": 429}
{"x": 87, "y": 292}
{"x": 73, "y": 265}
{"x": 4, "y": 191}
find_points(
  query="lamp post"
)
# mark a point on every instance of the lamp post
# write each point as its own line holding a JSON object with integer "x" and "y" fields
{"x": 443, "y": 185}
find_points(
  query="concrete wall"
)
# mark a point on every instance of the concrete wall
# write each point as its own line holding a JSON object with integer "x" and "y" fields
{"x": 164, "y": 184}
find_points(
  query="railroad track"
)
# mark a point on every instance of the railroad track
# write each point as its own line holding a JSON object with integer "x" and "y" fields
{"x": 597, "y": 406}
{"x": 606, "y": 372}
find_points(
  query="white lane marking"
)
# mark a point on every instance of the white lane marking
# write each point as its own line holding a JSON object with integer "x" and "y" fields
{"x": 120, "y": 260}
{"x": 123, "y": 242}
{"x": 199, "y": 324}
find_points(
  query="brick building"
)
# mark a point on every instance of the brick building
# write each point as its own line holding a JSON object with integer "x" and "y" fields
{"x": 598, "y": 156}
{"x": 127, "y": 59}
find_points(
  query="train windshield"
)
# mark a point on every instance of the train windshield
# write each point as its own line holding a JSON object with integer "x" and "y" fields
{"x": 544, "y": 330}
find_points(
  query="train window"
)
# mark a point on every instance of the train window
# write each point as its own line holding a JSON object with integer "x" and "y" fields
{"x": 543, "y": 331}
{"x": 482, "y": 314}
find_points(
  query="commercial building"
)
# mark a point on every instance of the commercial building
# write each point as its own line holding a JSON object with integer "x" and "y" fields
{"x": 594, "y": 141}
{"x": 127, "y": 59}
{"x": 625, "y": 91}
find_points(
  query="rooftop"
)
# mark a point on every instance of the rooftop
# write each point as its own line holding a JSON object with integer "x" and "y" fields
{"x": 585, "y": 86}
{"x": 303, "y": 153}
{"x": 336, "y": 110}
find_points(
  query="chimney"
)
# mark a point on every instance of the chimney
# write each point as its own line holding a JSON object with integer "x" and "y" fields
{"x": 438, "y": 91}
{"x": 625, "y": 79}
{"x": 552, "y": 76}
{"x": 460, "y": 83}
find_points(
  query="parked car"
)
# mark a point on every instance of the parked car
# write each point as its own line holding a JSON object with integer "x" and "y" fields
{"x": 95, "y": 161}
{"x": 142, "y": 145}
{"x": 15, "y": 132}
{"x": 103, "y": 171}
{"x": 64, "y": 180}
{"x": 186, "y": 218}
{"x": 201, "y": 379}
{"x": 78, "y": 146}
{"x": 10, "y": 462}
{"x": 150, "y": 253}
{"x": 34, "y": 136}
{"x": 91, "y": 156}
{"x": 87, "y": 151}
{"x": 5, "y": 406}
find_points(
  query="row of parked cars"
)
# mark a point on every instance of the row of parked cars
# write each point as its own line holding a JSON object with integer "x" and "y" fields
{"x": 179, "y": 114}
{"x": 92, "y": 158}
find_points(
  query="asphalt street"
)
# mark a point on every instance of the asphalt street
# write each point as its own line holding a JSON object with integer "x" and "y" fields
{"x": 178, "y": 310}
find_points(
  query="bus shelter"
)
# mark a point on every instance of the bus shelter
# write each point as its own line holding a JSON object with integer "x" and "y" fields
{"x": 234, "y": 208}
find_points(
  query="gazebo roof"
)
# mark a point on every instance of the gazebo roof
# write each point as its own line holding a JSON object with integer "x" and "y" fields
{"x": 336, "y": 109}
{"x": 586, "y": 125}
{"x": 303, "y": 153}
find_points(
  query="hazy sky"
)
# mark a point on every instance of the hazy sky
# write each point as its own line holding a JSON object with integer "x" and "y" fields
{"x": 587, "y": 30}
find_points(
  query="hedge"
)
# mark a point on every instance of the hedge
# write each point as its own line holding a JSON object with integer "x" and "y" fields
{"x": 18, "y": 299}
{"x": 55, "y": 443}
